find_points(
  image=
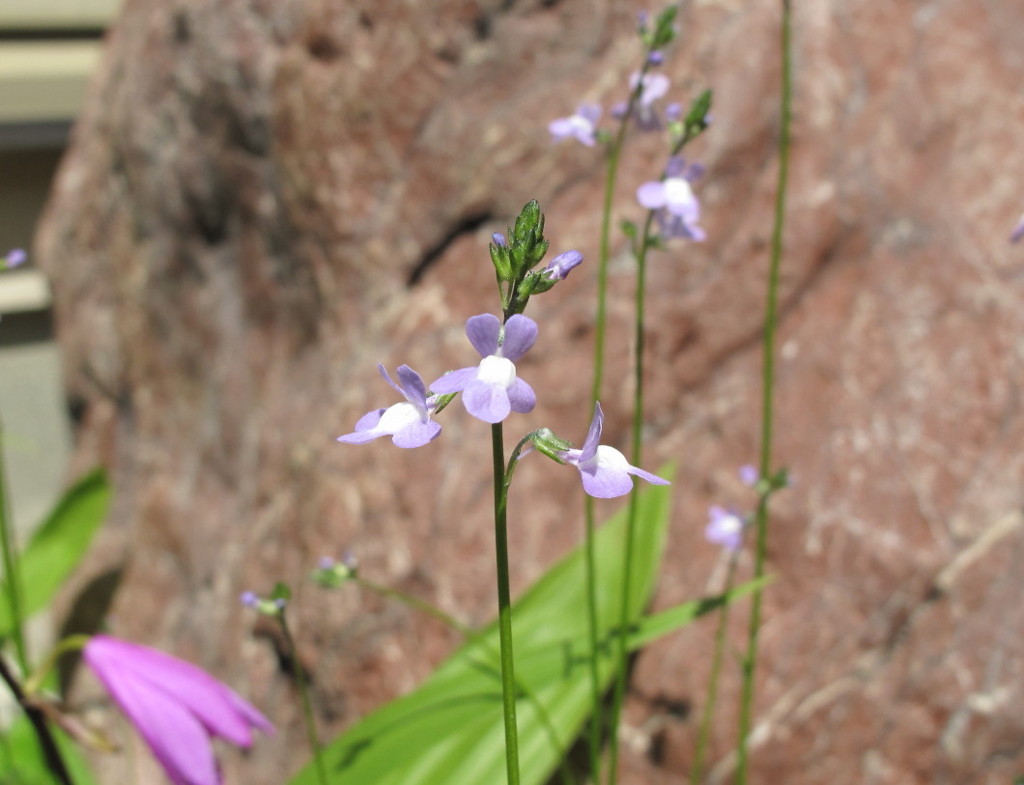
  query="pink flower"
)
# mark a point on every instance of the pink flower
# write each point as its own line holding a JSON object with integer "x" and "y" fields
{"x": 175, "y": 706}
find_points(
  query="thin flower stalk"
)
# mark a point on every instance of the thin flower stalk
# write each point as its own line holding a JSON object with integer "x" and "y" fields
{"x": 767, "y": 397}
{"x": 711, "y": 700}
{"x": 508, "y": 678}
{"x": 472, "y": 635}
{"x": 307, "y": 704}
{"x": 37, "y": 719}
{"x": 600, "y": 328}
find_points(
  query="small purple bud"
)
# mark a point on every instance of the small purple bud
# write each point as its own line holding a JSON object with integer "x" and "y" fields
{"x": 16, "y": 257}
{"x": 656, "y": 57}
{"x": 619, "y": 110}
{"x": 280, "y": 602}
{"x": 749, "y": 475}
{"x": 642, "y": 18}
{"x": 499, "y": 240}
{"x": 673, "y": 112}
{"x": 325, "y": 563}
{"x": 1018, "y": 231}
{"x": 249, "y": 599}
{"x": 560, "y": 266}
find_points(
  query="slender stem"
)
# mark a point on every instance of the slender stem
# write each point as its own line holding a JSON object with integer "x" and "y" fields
{"x": 508, "y": 676}
{"x": 697, "y": 769}
{"x": 600, "y": 325}
{"x": 307, "y": 703}
{"x": 473, "y": 635}
{"x": 590, "y": 555}
{"x": 12, "y": 575}
{"x": 767, "y": 399}
{"x": 47, "y": 741}
{"x": 636, "y": 449}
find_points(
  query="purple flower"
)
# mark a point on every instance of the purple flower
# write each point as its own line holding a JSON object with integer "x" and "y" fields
{"x": 491, "y": 390}
{"x": 560, "y": 266}
{"x": 749, "y": 474}
{"x": 15, "y": 257}
{"x": 678, "y": 210}
{"x": 724, "y": 528}
{"x": 603, "y": 469}
{"x": 499, "y": 240}
{"x": 175, "y": 706}
{"x": 652, "y": 87}
{"x": 580, "y": 126}
{"x": 1018, "y": 231}
{"x": 407, "y": 423}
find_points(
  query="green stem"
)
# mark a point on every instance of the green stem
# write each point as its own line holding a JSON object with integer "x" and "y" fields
{"x": 636, "y": 450}
{"x": 472, "y": 635}
{"x": 36, "y": 717}
{"x": 508, "y": 676}
{"x": 767, "y": 399}
{"x": 307, "y": 703}
{"x": 12, "y": 575}
{"x": 600, "y": 329}
{"x": 697, "y": 769}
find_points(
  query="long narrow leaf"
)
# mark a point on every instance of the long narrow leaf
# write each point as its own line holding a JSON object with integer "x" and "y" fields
{"x": 450, "y": 729}
{"x": 59, "y": 544}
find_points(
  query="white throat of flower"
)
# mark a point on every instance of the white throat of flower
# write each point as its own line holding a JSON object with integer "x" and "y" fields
{"x": 497, "y": 370}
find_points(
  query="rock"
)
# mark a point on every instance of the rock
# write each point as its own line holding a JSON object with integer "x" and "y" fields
{"x": 264, "y": 199}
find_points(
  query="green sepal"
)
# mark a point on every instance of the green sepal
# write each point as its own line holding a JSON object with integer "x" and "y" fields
{"x": 697, "y": 118}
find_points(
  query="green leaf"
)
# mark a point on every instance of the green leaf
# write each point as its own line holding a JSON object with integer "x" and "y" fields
{"x": 22, "y": 762}
{"x": 58, "y": 545}
{"x": 450, "y": 729}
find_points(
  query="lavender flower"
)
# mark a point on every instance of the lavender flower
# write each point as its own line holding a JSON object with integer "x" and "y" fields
{"x": 652, "y": 87}
{"x": 491, "y": 390}
{"x": 678, "y": 210}
{"x": 724, "y": 528}
{"x": 1018, "y": 231}
{"x": 560, "y": 266}
{"x": 407, "y": 423}
{"x": 15, "y": 258}
{"x": 603, "y": 469}
{"x": 175, "y": 706}
{"x": 749, "y": 475}
{"x": 581, "y": 126}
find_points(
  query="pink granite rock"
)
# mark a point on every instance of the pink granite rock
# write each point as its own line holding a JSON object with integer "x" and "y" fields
{"x": 263, "y": 199}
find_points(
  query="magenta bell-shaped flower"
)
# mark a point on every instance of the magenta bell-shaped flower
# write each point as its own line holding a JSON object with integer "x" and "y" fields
{"x": 175, "y": 706}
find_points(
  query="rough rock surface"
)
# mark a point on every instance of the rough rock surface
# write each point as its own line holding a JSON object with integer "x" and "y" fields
{"x": 266, "y": 197}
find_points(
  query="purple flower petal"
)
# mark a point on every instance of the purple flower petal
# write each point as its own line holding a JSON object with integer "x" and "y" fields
{"x": 454, "y": 381}
{"x": 487, "y": 401}
{"x": 483, "y": 332}
{"x": 417, "y": 434}
{"x": 521, "y": 397}
{"x": 412, "y": 387}
{"x": 520, "y": 335}
{"x": 559, "y": 267}
{"x": 651, "y": 195}
{"x": 606, "y": 477}
{"x": 174, "y": 705}
{"x": 589, "y": 449}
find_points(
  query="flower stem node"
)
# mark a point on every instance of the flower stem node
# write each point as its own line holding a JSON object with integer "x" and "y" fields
{"x": 547, "y": 443}
{"x": 175, "y": 706}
